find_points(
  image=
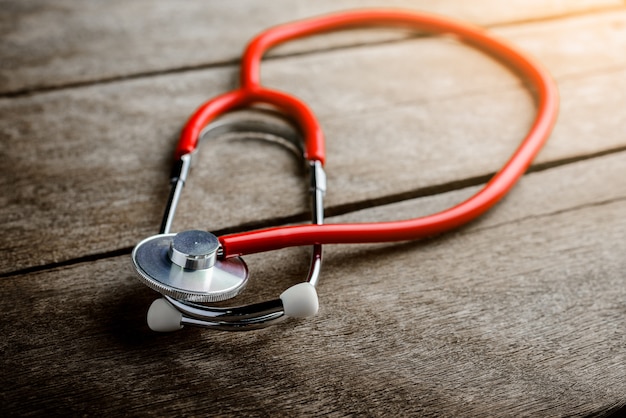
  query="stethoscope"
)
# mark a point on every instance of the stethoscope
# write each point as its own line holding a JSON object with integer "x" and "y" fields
{"x": 192, "y": 268}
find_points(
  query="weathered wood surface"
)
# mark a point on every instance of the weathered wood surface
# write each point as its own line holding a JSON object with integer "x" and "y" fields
{"x": 51, "y": 45}
{"x": 513, "y": 316}
{"x": 520, "y": 313}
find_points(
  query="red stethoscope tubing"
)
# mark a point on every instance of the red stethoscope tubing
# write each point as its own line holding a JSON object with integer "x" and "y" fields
{"x": 251, "y": 92}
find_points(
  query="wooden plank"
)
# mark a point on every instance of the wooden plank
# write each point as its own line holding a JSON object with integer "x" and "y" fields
{"x": 86, "y": 169}
{"x": 121, "y": 39}
{"x": 522, "y": 313}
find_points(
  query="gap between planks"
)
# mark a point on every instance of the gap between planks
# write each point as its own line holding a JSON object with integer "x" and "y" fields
{"x": 31, "y": 91}
{"x": 345, "y": 209}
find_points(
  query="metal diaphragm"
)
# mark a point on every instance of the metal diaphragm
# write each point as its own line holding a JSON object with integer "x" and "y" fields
{"x": 185, "y": 267}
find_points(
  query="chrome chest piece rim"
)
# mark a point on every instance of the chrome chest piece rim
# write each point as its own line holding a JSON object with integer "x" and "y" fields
{"x": 185, "y": 267}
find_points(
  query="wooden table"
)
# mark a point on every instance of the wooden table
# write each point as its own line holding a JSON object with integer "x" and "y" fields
{"x": 521, "y": 313}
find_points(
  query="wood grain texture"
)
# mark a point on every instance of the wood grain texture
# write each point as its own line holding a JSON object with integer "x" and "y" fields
{"x": 515, "y": 315}
{"x": 521, "y": 313}
{"x": 87, "y": 167}
{"x": 72, "y": 42}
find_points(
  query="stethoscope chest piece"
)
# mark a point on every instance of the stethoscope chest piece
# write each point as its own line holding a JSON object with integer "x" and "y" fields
{"x": 185, "y": 266}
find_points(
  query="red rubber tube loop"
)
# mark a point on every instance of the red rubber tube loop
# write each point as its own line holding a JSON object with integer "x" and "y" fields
{"x": 252, "y": 92}
{"x": 241, "y": 98}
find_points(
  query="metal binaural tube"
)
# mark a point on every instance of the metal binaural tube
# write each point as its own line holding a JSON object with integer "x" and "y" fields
{"x": 242, "y": 314}
{"x": 178, "y": 178}
{"x": 318, "y": 191}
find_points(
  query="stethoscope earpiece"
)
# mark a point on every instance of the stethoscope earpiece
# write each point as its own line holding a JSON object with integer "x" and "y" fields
{"x": 300, "y": 300}
{"x": 163, "y": 317}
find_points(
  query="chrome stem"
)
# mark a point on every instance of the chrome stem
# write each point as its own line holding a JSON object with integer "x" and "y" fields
{"x": 178, "y": 178}
{"x": 318, "y": 191}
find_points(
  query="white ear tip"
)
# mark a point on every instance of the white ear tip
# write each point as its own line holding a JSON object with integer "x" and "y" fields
{"x": 163, "y": 317}
{"x": 300, "y": 301}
